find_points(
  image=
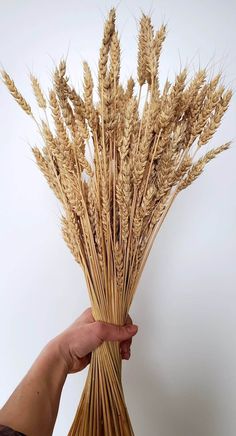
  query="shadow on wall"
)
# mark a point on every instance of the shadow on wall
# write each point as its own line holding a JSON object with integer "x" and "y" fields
{"x": 164, "y": 400}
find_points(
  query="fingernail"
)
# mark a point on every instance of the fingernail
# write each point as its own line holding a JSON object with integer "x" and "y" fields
{"x": 132, "y": 328}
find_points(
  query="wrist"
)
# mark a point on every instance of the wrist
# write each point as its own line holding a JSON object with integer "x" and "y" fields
{"x": 55, "y": 357}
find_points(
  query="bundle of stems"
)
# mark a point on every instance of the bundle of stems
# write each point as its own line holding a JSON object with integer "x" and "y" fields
{"x": 116, "y": 169}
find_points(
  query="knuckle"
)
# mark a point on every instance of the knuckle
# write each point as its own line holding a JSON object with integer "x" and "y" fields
{"x": 99, "y": 329}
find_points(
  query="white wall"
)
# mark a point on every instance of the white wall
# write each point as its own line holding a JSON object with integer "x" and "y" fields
{"x": 181, "y": 380}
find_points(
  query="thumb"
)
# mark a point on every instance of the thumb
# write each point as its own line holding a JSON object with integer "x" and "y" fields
{"x": 111, "y": 332}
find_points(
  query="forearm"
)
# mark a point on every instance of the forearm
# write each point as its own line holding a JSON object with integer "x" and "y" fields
{"x": 33, "y": 406}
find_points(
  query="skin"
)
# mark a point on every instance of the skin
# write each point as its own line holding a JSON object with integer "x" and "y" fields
{"x": 33, "y": 406}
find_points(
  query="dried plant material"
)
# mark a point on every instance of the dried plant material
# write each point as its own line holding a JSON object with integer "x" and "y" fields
{"x": 38, "y": 92}
{"x": 197, "y": 168}
{"x": 15, "y": 93}
{"x": 117, "y": 169}
{"x": 145, "y": 54}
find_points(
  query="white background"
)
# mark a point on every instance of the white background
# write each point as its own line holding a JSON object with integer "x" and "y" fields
{"x": 181, "y": 380}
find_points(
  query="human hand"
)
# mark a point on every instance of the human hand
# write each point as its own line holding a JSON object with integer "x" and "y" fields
{"x": 77, "y": 342}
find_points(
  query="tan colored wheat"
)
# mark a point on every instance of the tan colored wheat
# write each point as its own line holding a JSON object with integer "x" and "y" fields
{"x": 116, "y": 199}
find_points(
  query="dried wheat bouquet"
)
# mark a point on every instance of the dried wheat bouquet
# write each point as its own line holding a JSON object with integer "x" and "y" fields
{"x": 116, "y": 169}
